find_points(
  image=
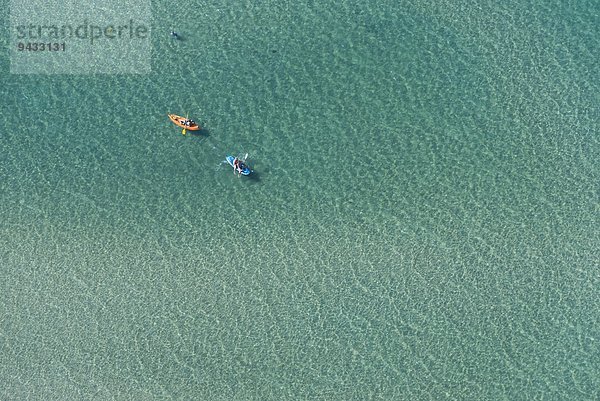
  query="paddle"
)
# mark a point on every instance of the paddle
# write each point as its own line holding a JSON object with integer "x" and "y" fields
{"x": 186, "y": 117}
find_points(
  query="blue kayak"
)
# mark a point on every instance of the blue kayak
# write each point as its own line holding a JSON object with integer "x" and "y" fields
{"x": 245, "y": 170}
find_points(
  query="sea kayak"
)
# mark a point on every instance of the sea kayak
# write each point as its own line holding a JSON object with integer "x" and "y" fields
{"x": 180, "y": 122}
{"x": 245, "y": 170}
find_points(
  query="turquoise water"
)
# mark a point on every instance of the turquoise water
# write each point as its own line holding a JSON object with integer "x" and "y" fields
{"x": 422, "y": 223}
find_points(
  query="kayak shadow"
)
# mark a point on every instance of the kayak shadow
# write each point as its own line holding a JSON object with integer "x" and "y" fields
{"x": 254, "y": 176}
{"x": 205, "y": 133}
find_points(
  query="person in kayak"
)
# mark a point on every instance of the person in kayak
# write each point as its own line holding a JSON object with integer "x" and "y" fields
{"x": 238, "y": 166}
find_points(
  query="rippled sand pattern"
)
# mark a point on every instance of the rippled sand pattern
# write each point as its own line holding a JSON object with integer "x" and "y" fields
{"x": 421, "y": 224}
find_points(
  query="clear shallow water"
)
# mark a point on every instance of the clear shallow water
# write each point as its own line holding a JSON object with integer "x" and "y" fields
{"x": 436, "y": 240}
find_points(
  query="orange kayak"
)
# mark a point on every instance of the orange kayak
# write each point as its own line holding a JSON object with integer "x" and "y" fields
{"x": 180, "y": 122}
